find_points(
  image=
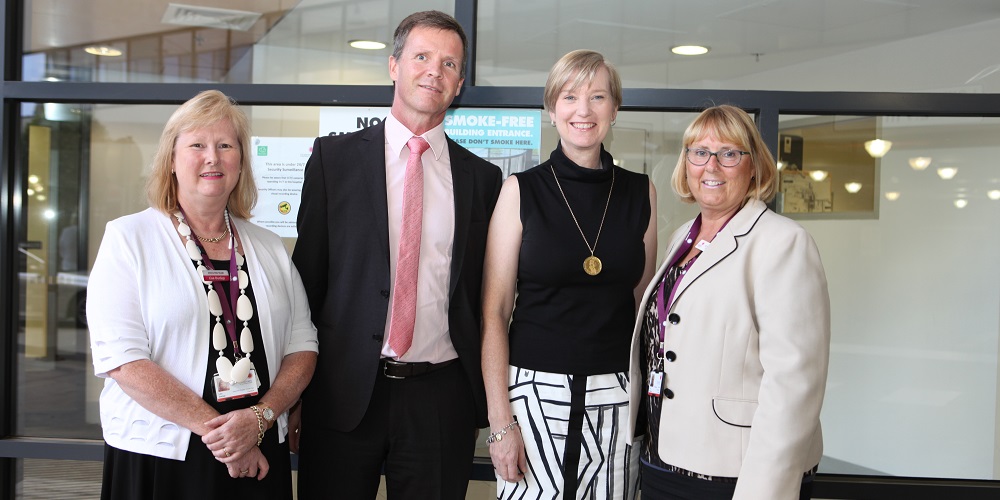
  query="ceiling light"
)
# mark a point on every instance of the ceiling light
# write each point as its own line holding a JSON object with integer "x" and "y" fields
{"x": 947, "y": 173}
{"x": 853, "y": 187}
{"x": 818, "y": 175}
{"x": 102, "y": 50}
{"x": 689, "y": 50}
{"x": 366, "y": 44}
{"x": 877, "y": 148}
{"x": 960, "y": 203}
{"x": 994, "y": 194}
{"x": 892, "y": 195}
{"x": 920, "y": 162}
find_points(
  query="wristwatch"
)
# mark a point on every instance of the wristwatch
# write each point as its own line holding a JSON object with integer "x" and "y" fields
{"x": 265, "y": 412}
{"x": 268, "y": 415}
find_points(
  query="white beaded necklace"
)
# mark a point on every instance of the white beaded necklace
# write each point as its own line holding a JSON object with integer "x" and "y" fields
{"x": 226, "y": 369}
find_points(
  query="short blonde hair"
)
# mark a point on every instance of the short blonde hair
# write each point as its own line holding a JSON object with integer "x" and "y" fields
{"x": 203, "y": 110}
{"x": 582, "y": 66}
{"x": 729, "y": 124}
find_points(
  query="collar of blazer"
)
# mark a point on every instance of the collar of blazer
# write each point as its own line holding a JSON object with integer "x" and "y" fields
{"x": 723, "y": 245}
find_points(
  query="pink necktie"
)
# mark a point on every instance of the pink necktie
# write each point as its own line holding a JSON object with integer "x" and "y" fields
{"x": 404, "y": 302}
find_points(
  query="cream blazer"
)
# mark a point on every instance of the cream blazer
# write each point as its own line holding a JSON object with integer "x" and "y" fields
{"x": 750, "y": 332}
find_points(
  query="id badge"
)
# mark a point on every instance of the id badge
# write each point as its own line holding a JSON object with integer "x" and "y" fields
{"x": 224, "y": 391}
{"x": 655, "y": 383}
{"x": 215, "y": 275}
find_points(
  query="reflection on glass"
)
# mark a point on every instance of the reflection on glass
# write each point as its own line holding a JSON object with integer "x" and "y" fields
{"x": 823, "y": 153}
{"x": 39, "y": 479}
{"x": 913, "y": 368}
{"x": 168, "y": 42}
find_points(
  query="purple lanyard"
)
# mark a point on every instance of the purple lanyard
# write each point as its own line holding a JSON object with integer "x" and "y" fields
{"x": 234, "y": 286}
{"x": 663, "y": 302}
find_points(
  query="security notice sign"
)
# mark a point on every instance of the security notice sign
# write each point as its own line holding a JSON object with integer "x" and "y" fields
{"x": 279, "y": 165}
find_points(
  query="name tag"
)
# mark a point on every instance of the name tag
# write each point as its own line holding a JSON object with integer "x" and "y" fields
{"x": 224, "y": 391}
{"x": 215, "y": 275}
{"x": 655, "y": 383}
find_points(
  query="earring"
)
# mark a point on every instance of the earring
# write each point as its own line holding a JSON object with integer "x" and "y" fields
{"x": 613, "y": 122}
{"x": 553, "y": 123}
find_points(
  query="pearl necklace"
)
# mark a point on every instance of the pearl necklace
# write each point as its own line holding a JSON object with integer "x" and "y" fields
{"x": 226, "y": 369}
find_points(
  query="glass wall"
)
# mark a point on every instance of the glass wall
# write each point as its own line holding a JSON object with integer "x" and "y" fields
{"x": 781, "y": 45}
{"x": 915, "y": 292}
{"x": 231, "y": 41}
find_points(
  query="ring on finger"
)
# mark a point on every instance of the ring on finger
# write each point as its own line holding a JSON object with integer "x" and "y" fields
{"x": 226, "y": 451}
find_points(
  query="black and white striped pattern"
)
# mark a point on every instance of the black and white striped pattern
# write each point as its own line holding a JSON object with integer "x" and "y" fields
{"x": 607, "y": 463}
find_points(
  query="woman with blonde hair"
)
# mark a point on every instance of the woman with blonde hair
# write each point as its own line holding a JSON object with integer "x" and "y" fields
{"x": 199, "y": 325}
{"x": 731, "y": 344}
{"x": 575, "y": 239}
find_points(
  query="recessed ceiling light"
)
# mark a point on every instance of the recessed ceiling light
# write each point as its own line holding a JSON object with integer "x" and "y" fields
{"x": 689, "y": 50}
{"x": 366, "y": 44}
{"x": 994, "y": 194}
{"x": 103, "y": 50}
{"x": 960, "y": 203}
{"x": 853, "y": 187}
{"x": 920, "y": 162}
{"x": 947, "y": 172}
{"x": 892, "y": 195}
{"x": 818, "y": 175}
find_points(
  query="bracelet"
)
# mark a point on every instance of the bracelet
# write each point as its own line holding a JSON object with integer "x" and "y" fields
{"x": 260, "y": 424}
{"x": 498, "y": 435}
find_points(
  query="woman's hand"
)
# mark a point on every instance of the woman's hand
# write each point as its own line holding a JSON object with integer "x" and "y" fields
{"x": 233, "y": 435}
{"x": 250, "y": 464}
{"x": 508, "y": 456}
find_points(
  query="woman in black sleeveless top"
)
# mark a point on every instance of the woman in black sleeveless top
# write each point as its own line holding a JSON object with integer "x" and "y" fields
{"x": 575, "y": 238}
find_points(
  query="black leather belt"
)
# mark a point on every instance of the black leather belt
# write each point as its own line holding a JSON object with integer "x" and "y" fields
{"x": 400, "y": 370}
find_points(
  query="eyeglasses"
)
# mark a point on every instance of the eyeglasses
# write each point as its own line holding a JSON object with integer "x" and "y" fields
{"x": 726, "y": 157}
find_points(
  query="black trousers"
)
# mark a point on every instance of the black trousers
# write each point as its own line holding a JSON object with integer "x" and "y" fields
{"x": 420, "y": 429}
{"x": 661, "y": 485}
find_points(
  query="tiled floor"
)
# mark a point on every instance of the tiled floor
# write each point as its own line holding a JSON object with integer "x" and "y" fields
{"x": 71, "y": 480}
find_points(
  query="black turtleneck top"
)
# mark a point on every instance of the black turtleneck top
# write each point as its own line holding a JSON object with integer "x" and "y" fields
{"x": 566, "y": 321}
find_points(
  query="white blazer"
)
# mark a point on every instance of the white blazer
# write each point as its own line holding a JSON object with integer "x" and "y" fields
{"x": 145, "y": 301}
{"x": 751, "y": 336}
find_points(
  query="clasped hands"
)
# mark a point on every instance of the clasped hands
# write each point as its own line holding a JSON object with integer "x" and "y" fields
{"x": 233, "y": 441}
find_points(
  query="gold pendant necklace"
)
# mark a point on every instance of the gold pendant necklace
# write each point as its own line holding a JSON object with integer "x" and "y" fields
{"x": 591, "y": 265}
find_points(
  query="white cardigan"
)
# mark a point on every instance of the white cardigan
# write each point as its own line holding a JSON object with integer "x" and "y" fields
{"x": 750, "y": 332}
{"x": 146, "y": 301}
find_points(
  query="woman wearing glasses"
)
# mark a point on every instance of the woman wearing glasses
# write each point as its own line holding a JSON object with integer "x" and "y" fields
{"x": 731, "y": 344}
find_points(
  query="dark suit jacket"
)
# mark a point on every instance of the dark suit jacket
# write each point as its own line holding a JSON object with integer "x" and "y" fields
{"x": 342, "y": 253}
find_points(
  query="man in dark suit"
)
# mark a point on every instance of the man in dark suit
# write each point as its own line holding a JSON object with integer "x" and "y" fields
{"x": 412, "y": 407}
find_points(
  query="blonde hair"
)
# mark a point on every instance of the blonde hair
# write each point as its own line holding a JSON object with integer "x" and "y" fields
{"x": 729, "y": 124}
{"x": 582, "y": 66}
{"x": 203, "y": 110}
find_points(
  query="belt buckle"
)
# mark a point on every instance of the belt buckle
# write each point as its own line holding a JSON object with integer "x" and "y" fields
{"x": 385, "y": 369}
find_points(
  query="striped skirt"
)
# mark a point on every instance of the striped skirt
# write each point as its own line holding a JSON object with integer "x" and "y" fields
{"x": 574, "y": 430}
